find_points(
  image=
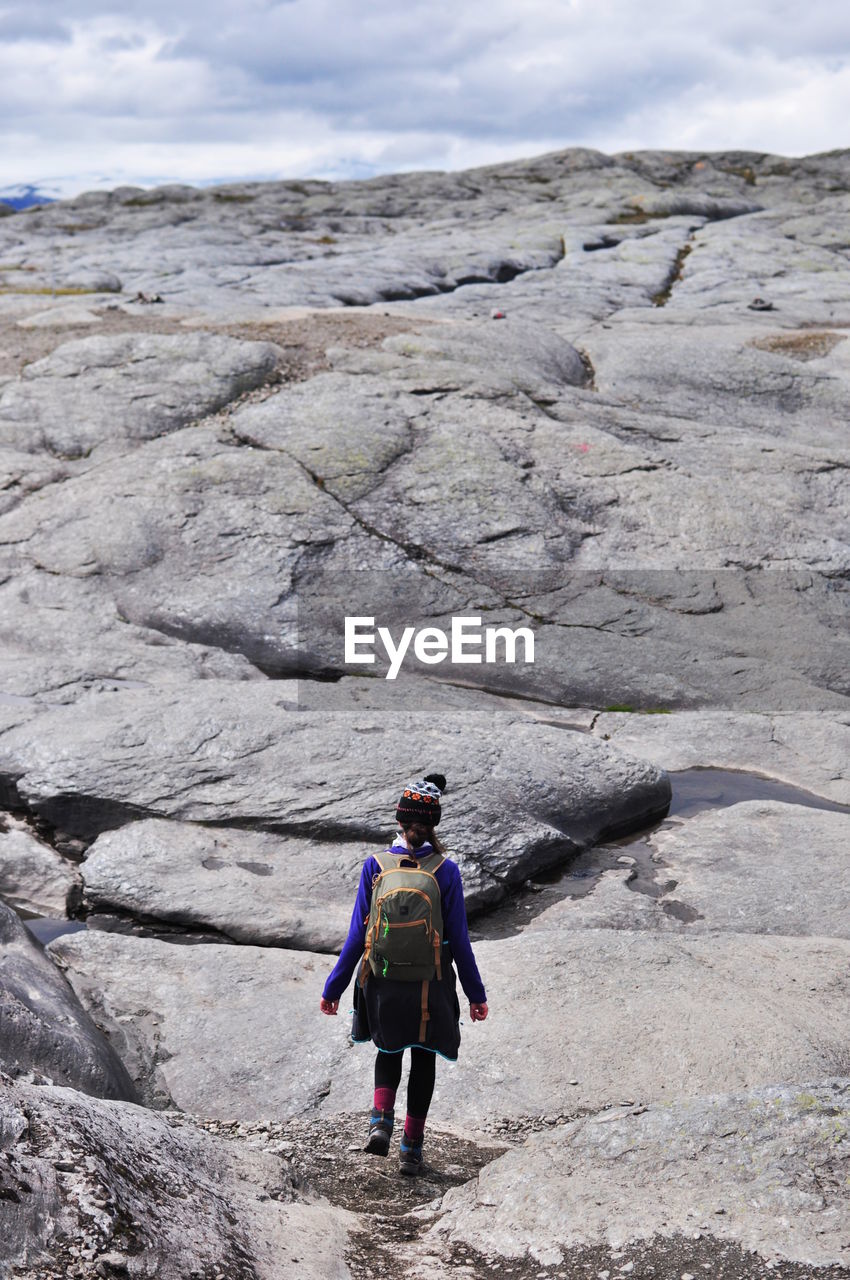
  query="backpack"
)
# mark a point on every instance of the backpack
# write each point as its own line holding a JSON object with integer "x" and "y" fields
{"x": 404, "y": 928}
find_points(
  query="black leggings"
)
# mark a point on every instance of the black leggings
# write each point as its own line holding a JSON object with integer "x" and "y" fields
{"x": 420, "y": 1085}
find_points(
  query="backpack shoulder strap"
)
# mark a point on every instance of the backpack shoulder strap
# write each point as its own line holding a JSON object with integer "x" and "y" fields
{"x": 385, "y": 860}
{"x": 432, "y": 863}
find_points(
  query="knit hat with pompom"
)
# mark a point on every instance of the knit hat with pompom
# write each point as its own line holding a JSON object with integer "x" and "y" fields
{"x": 420, "y": 800}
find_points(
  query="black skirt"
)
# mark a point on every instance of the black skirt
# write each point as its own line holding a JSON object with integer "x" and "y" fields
{"x": 389, "y": 1013}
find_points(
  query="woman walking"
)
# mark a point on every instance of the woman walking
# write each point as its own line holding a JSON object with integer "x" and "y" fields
{"x": 408, "y": 925}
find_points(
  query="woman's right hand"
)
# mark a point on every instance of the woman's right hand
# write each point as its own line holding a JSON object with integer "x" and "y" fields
{"x": 330, "y": 1006}
{"x": 478, "y": 1012}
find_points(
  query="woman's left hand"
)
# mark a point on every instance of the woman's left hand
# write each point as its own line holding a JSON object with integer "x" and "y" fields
{"x": 478, "y": 1012}
{"x": 329, "y": 1006}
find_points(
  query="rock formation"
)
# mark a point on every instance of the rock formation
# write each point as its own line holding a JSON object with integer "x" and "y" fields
{"x": 43, "y": 1031}
{"x": 111, "y": 1189}
{"x": 763, "y": 1168}
{"x": 597, "y": 401}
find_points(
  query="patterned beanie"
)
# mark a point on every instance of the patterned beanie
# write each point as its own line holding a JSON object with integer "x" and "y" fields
{"x": 420, "y": 801}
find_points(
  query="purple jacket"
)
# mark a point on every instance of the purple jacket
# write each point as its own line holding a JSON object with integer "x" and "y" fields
{"x": 455, "y": 931}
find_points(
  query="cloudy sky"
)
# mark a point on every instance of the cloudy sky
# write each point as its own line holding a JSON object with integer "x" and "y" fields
{"x": 94, "y": 93}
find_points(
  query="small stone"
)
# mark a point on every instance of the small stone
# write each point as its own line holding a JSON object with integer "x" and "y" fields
{"x": 627, "y": 1268}
{"x": 574, "y": 1082}
{"x": 686, "y": 1275}
{"x": 625, "y": 861}
{"x": 603, "y": 1275}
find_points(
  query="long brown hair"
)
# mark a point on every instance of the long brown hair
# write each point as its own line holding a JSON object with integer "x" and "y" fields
{"x": 437, "y": 843}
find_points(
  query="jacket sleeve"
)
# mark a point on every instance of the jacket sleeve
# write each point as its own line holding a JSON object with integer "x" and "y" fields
{"x": 457, "y": 934}
{"x": 353, "y": 948}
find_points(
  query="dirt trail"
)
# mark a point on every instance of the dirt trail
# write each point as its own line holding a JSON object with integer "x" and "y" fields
{"x": 304, "y": 339}
{"x": 326, "y": 1154}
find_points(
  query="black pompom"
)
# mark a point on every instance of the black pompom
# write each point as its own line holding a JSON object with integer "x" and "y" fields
{"x": 437, "y": 779}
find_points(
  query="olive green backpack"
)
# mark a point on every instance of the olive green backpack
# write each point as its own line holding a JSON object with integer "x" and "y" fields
{"x": 404, "y": 930}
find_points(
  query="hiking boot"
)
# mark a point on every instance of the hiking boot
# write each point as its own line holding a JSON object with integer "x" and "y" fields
{"x": 380, "y": 1132}
{"x": 410, "y": 1155}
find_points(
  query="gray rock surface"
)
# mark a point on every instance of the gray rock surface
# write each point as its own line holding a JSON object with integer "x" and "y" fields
{"x": 494, "y": 360}
{"x": 420, "y": 233}
{"x": 47, "y": 661}
{"x": 221, "y": 1030}
{"x": 634, "y": 1015}
{"x": 764, "y": 1168}
{"x": 33, "y": 876}
{"x": 763, "y": 867}
{"x": 287, "y": 518}
{"x": 96, "y": 390}
{"x": 612, "y": 903}
{"x": 757, "y": 867}
{"x": 228, "y": 754}
{"x": 102, "y": 1188}
{"x": 62, "y": 317}
{"x": 508, "y": 463}
{"x": 805, "y": 750}
{"x": 650, "y": 1017}
{"x": 712, "y": 382}
{"x": 43, "y": 1028}
{"x": 250, "y": 886}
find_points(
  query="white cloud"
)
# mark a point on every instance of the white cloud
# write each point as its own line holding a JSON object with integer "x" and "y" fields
{"x": 108, "y": 70}
{"x": 189, "y": 91}
{"x": 803, "y": 114}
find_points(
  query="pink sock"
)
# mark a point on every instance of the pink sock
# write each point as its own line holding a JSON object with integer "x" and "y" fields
{"x": 414, "y": 1126}
{"x": 384, "y": 1099}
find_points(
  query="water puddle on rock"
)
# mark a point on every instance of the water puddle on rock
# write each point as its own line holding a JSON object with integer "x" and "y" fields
{"x": 45, "y": 928}
{"x": 694, "y": 791}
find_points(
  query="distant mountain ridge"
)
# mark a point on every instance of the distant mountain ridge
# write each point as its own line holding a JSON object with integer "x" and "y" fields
{"x": 24, "y": 196}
